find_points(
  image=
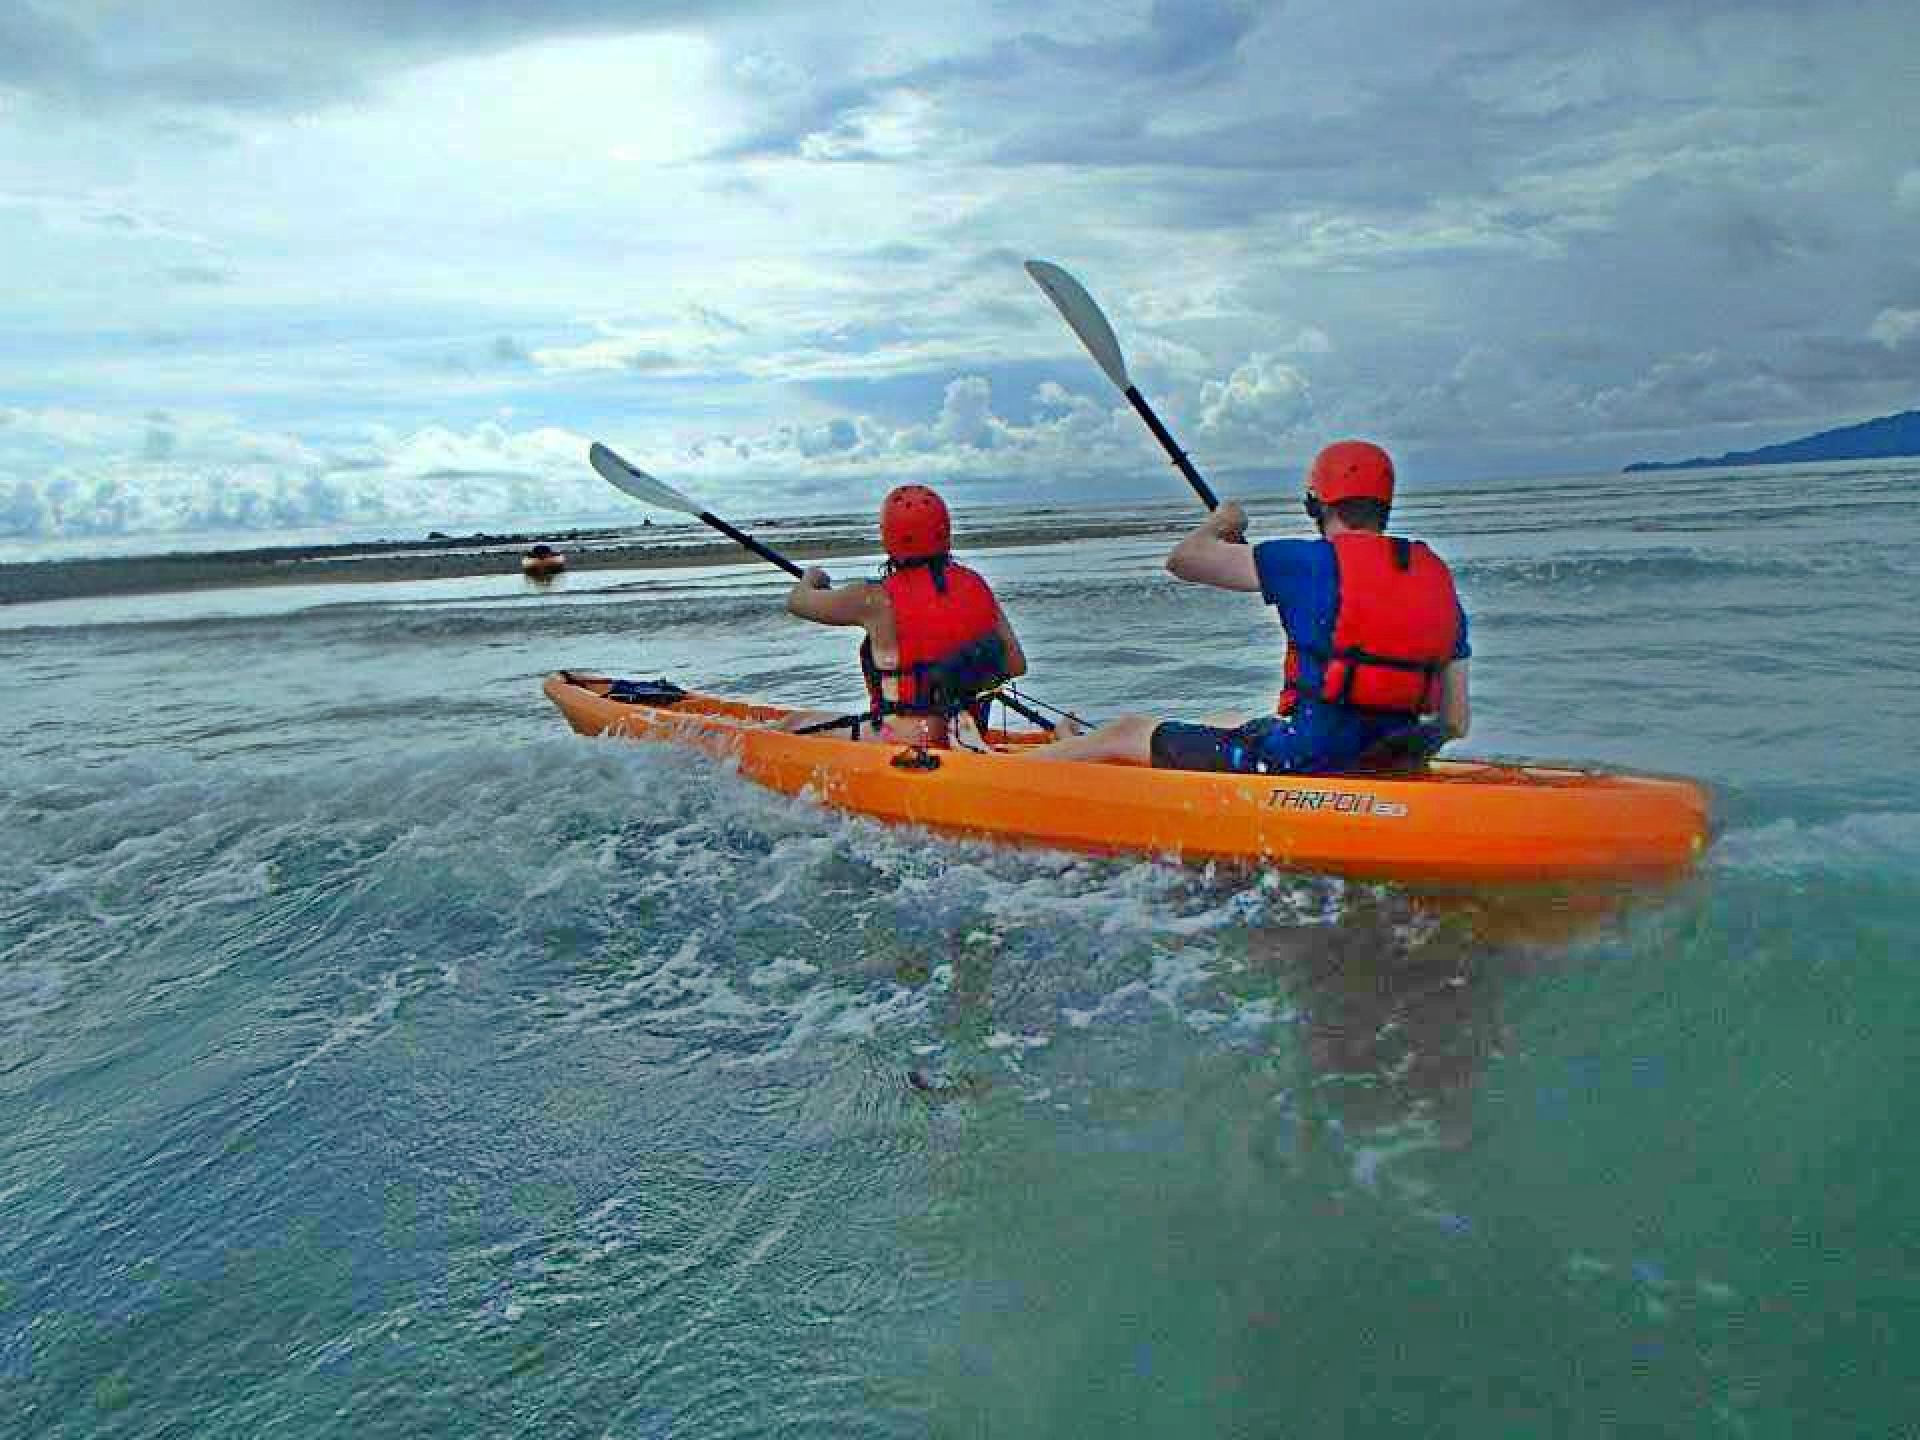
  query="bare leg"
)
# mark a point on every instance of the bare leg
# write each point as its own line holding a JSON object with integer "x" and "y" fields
{"x": 800, "y": 719}
{"x": 965, "y": 733}
{"x": 1226, "y": 719}
{"x": 1128, "y": 740}
{"x": 897, "y": 730}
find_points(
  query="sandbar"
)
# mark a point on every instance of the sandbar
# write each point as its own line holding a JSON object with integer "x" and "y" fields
{"x": 443, "y": 557}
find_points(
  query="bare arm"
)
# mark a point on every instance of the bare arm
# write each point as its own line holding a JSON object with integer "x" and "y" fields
{"x": 1016, "y": 657}
{"x": 1217, "y": 553}
{"x": 1456, "y": 713}
{"x": 814, "y": 598}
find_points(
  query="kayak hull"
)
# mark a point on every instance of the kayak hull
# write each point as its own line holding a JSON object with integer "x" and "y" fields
{"x": 1458, "y": 822}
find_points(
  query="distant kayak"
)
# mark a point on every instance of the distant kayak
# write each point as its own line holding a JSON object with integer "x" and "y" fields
{"x": 1454, "y": 822}
{"x": 542, "y": 561}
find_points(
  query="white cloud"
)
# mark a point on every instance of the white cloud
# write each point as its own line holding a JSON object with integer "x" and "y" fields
{"x": 1894, "y": 328}
{"x": 775, "y": 241}
{"x": 898, "y": 125}
{"x": 836, "y": 437}
{"x": 966, "y": 414}
{"x": 61, "y": 427}
{"x": 1069, "y": 436}
{"x": 487, "y": 449}
{"x": 1261, "y": 401}
{"x": 1710, "y": 385}
{"x": 72, "y": 473}
{"x": 65, "y": 473}
{"x": 651, "y": 352}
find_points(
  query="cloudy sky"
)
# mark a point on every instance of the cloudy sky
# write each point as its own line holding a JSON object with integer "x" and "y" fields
{"x": 390, "y": 263}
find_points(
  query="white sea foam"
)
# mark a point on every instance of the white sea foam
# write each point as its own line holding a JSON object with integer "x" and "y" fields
{"x": 857, "y": 901}
{"x": 388, "y": 993}
{"x": 1868, "y": 841}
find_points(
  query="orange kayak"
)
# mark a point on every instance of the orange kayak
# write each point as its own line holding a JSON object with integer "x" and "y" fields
{"x": 1455, "y": 822}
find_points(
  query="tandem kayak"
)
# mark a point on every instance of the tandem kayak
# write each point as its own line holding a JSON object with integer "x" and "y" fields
{"x": 1453, "y": 822}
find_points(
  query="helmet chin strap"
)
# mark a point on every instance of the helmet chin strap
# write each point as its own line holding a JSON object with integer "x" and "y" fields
{"x": 910, "y": 561}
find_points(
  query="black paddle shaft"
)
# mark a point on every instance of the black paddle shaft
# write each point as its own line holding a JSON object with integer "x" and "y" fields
{"x": 742, "y": 538}
{"x": 1020, "y": 708}
{"x": 1160, "y": 433}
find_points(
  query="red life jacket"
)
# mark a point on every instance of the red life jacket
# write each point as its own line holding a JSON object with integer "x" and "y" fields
{"x": 1394, "y": 632}
{"x": 946, "y": 627}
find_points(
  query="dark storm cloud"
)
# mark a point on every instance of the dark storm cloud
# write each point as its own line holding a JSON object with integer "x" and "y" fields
{"x": 200, "y": 273}
{"x": 1190, "y": 35}
{"x": 54, "y": 59}
{"x": 1489, "y": 223}
{"x": 1395, "y": 144}
{"x": 718, "y": 320}
{"x": 195, "y": 134}
{"x": 1185, "y": 39}
{"x": 900, "y": 253}
{"x": 494, "y": 20}
{"x": 34, "y": 43}
{"x": 160, "y": 442}
{"x": 1752, "y": 240}
{"x": 1180, "y": 42}
{"x": 648, "y": 362}
{"x": 298, "y": 53}
{"x": 799, "y": 117}
{"x": 998, "y": 260}
{"x": 1827, "y": 361}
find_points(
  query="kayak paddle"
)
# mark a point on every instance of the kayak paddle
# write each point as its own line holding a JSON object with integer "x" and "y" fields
{"x": 1080, "y": 312}
{"x": 649, "y": 491}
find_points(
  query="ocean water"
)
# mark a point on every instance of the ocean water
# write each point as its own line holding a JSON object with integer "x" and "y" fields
{"x": 378, "y": 1058}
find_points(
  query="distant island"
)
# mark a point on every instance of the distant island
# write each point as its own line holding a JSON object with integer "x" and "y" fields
{"x": 1889, "y": 437}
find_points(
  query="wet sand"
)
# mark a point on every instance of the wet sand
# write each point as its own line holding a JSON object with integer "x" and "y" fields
{"x": 449, "y": 557}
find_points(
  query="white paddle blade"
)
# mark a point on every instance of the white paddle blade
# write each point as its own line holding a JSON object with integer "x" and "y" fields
{"x": 637, "y": 483}
{"x": 1077, "y": 308}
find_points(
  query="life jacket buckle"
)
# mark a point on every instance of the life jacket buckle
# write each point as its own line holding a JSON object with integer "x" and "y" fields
{"x": 915, "y": 757}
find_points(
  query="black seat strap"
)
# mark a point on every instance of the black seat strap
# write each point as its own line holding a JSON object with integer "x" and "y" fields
{"x": 851, "y": 723}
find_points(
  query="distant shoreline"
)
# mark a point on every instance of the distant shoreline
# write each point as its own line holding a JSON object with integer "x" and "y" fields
{"x": 455, "y": 557}
{"x": 1891, "y": 437}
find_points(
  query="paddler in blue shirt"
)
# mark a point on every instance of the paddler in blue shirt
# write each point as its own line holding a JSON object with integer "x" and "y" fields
{"x": 1376, "y": 639}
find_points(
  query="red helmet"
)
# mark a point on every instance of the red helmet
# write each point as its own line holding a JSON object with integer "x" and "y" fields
{"x": 1352, "y": 470}
{"x": 914, "y": 524}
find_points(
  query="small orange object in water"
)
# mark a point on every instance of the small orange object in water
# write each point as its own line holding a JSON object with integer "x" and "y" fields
{"x": 1459, "y": 822}
{"x": 542, "y": 562}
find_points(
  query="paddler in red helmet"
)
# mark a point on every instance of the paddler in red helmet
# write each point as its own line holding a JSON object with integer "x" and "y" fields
{"x": 1377, "y": 646}
{"x": 936, "y": 639}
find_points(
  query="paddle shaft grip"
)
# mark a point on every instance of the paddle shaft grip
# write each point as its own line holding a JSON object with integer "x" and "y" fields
{"x": 740, "y": 537}
{"x": 1026, "y": 711}
{"x": 1160, "y": 433}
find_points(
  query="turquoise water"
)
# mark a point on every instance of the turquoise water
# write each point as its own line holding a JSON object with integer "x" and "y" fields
{"x": 377, "y": 1058}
